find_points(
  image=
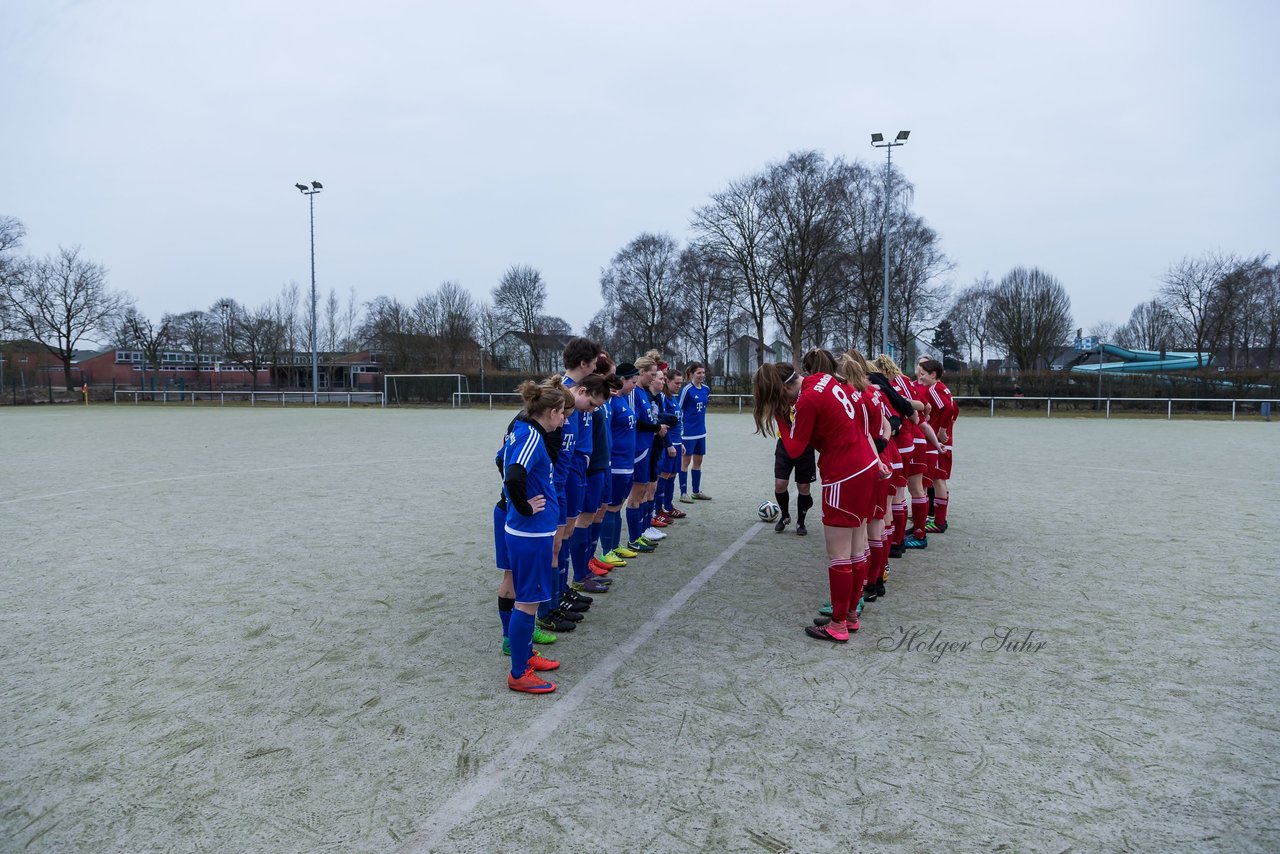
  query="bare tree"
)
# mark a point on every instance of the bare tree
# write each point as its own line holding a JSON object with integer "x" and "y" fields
{"x": 490, "y": 326}
{"x": 734, "y": 231}
{"x": 62, "y": 299}
{"x": 1030, "y": 316}
{"x": 331, "y": 311}
{"x": 151, "y": 338}
{"x": 805, "y": 216}
{"x": 1200, "y": 293}
{"x": 196, "y": 332}
{"x": 520, "y": 298}
{"x": 389, "y": 328}
{"x": 11, "y": 233}
{"x": 970, "y": 316}
{"x": 1150, "y": 327}
{"x": 457, "y": 324}
{"x": 256, "y": 339}
{"x": 640, "y": 291}
{"x": 916, "y": 261}
{"x": 703, "y": 288}
{"x": 349, "y": 322}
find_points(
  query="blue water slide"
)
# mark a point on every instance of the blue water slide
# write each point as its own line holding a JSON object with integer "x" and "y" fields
{"x": 1146, "y": 361}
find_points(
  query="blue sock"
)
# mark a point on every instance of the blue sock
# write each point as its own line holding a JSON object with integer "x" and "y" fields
{"x": 579, "y": 542}
{"x": 648, "y": 514}
{"x": 504, "y": 614}
{"x": 593, "y": 538}
{"x": 668, "y": 493}
{"x": 611, "y": 530}
{"x": 521, "y": 642}
{"x": 634, "y": 515}
{"x": 684, "y": 482}
{"x": 544, "y": 608}
{"x": 697, "y": 480}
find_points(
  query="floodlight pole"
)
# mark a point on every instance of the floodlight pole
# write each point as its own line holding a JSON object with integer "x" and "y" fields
{"x": 1099, "y": 368}
{"x": 877, "y": 141}
{"x": 315, "y": 358}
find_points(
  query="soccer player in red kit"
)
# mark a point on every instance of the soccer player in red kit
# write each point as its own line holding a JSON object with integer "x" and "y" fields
{"x": 942, "y": 418}
{"x": 830, "y": 416}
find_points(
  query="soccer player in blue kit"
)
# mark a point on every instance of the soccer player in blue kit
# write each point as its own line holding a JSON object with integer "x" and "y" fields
{"x": 693, "y": 408}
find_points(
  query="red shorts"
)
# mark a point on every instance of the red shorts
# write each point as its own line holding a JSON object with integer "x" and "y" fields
{"x": 850, "y": 502}
{"x": 920, "y": 462}
{"x": 941, "y": 467}
{"x": 899, "y": 468}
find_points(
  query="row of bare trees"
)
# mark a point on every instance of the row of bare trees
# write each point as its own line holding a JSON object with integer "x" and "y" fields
{"x": 1217, "y": 304}
{"x": 798, "y": 247}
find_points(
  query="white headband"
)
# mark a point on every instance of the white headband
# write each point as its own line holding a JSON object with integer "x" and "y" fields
{"x": 790, "y": 378}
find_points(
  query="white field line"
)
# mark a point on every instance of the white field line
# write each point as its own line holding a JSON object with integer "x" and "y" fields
{"x": 456, "y": 810}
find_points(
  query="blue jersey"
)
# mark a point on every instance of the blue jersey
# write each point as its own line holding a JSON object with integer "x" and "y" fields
{"x": 568, "y": 445}
{"x": 622, "y": 435}
{"x": 646, "y": 413}
{"x": 584, "y": 442}
{"x": 525, "y": 445}
{"x": 671, "y": 405}
{"x": 600, "y": 450}
{"x": 693, "y": 408}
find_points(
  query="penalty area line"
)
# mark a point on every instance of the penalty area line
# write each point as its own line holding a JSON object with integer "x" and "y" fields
{"x": 456, "y": 810}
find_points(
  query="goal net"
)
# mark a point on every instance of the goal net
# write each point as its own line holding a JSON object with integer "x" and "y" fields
{"x": 422, "y": 388}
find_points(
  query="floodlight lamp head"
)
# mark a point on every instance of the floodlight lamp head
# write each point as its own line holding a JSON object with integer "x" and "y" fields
{"x": 902, "y": 135}
{"x": 877, "y": 137}
{"x": 316, "y": 185}
{"x": 301, "y": 187}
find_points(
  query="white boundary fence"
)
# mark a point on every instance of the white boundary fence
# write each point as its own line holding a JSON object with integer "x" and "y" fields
{"x": 1239, "y": 406}
{"x": 283, "y": 398}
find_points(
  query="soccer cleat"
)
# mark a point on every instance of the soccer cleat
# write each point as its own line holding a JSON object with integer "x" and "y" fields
{"x": 676, "y": 513}
{"x": 828, "y": 633}
{"x": 574, "y": 594}
{"x": 595, "y": 585}
{"x": 571, "y": 616}
{"x": 861, "y": 602}
{"x": 569, "y": 607}
{"x": 530, "y": 683}
{"x": 913, "y": 543}
{"x": 934, "y": 528}
{"x": 613, "y": 559}
{"x": 825, "y": 610}
{"x": 869, "y": 593}
{"x": 658, "y": 522}
{"x": 879, "y": 585}
{"x": 701, "y": 496}
{"x": 624, "y": 552}
{"x": 685, "y": 499}
{"x": 601, "y": 566}
{"x": 653, "y": 535}
{"x": 540, "y": 663}
{"x": 542, "y": 636}
{"x": 552, "y": 623}
{"x": 896, "y": 550}
{"x": 661, "y": 516}
{"x": 506, "y": 646}
{"x": 641, "y": 545}
{"x": 801, "y": 530}
{"x": 781, "y": 524}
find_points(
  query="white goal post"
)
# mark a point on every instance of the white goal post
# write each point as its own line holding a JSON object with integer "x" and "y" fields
{"x": 422, "y": 388}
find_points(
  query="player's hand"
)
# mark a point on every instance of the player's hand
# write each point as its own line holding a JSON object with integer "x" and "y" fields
{"x": 671, "y": 452}
{"x": 942, "y": 435}
{"x": 538, "y": 502}
{"x": 885, "y": 472}
{"x": 662, "y": 431}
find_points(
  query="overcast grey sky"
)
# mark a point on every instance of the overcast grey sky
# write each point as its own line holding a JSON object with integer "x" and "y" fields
{"x": 1100, "y": 141}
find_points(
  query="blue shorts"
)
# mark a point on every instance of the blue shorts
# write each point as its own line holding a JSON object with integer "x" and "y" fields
{"x": 500, "y": 538}
{"x": 640, "y": 474}
{"x": 530, "y": 567}
{"x": 668, "y": 464}
{"x": 695, "y": 447}
{"x": 619, "y": 488}
{"x": 560, "y": 494}
{"x": 575, "y": 487}
{"x": 597, "y": 483}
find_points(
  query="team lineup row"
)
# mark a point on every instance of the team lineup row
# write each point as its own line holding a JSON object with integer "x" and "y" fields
{"x": 602, "y": 437}
{"x": 877, "y": 438}
{"x": 587, "y": 444}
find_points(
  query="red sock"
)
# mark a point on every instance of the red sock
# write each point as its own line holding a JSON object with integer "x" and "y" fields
{"x": 861, "y": 569}
{"x": 919, "y": 515}
{"x": 884, "y": 554}
{"x": 841, "y": 577}
{"x": 900, "y": 522}
{"x": 873, "y": 567}
{"x": 940, "y": 511}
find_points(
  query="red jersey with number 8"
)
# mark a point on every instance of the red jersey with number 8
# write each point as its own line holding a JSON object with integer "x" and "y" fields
{"x": 832, "y": 418}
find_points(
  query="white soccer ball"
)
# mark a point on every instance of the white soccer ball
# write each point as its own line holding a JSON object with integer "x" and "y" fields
{"x": 769, "y": 511}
